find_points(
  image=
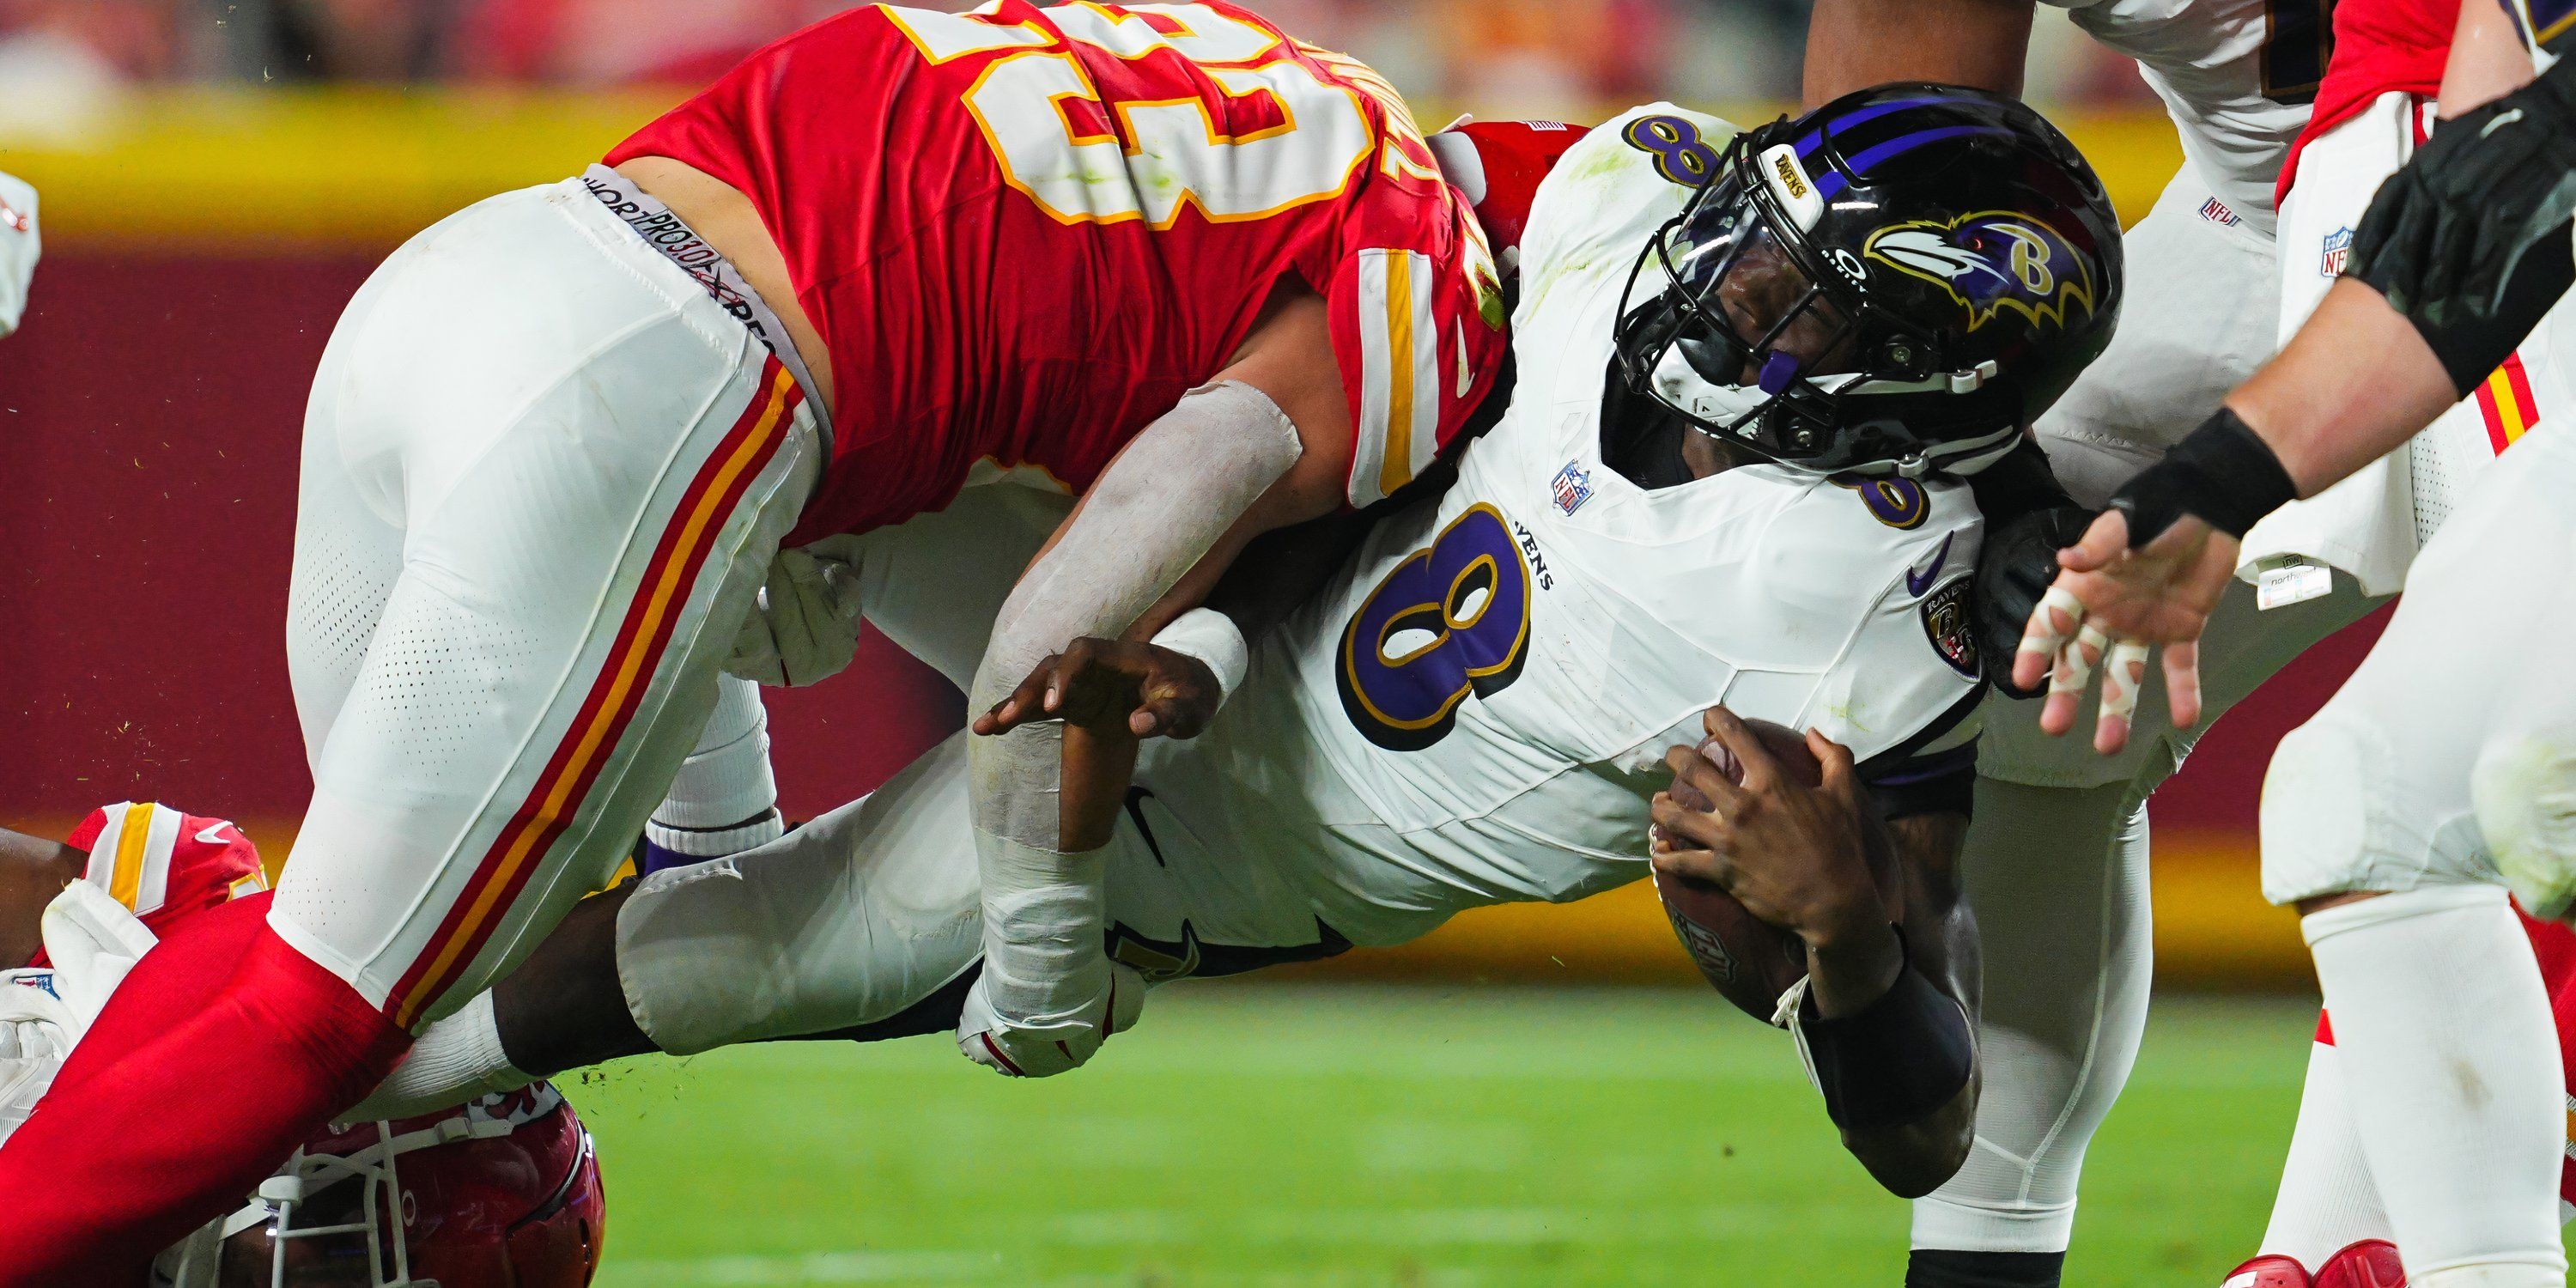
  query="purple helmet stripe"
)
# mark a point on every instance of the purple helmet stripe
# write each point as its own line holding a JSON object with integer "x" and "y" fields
{"x": 1872, "y": 112}
{"x": 1830, "y": 184}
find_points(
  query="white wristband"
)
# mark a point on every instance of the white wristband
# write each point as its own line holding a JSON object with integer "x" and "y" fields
{"x": 1213, "y": 638}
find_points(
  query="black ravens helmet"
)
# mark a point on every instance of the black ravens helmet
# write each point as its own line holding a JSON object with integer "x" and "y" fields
{"x": 1897, "y": 281}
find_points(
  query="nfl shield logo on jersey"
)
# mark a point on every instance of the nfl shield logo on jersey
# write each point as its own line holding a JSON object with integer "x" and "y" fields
{"x": 1572, "y": 486}
{"x": 2338, "y": 252}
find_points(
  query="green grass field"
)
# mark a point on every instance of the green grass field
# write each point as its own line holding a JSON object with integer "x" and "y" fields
{"x": 1459, "y": 1135}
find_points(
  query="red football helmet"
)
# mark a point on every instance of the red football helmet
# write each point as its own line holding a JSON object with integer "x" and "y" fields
{"x": 503, "y": 1193}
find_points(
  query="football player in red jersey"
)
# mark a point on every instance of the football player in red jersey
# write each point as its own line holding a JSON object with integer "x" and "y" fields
{"x": 500, "y": 1193}
{"x": 1167, "y": 258}
{"x": 2383, "y": 93}
{"x": 2431, "y": 786}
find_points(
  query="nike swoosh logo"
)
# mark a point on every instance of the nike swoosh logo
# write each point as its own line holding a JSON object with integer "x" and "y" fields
{"x": 1917, "y": 583}
{"x": 214, "y": 835}
{"x": 1466, "y": 374}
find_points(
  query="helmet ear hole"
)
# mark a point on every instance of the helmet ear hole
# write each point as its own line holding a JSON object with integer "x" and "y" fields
{"x": 1905, "y": 357}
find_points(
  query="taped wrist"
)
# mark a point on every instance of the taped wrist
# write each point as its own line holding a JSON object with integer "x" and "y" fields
{"x": 2222, "y": 473}
{"x": 1214, "y": 639}
{"x": 1901, "y": 1057}
{"x": 1044, "y": 967}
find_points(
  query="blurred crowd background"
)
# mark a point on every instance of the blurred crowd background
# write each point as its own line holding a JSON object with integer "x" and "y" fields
{"x": 1509, "y": 57}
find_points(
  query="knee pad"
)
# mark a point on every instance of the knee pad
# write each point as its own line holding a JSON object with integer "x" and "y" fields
{"x": 2523, "y": 788}
{"x": 2315, "y": 812}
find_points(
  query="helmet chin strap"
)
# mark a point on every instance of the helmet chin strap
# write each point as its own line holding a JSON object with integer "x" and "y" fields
{"x": 1681, "y": 385}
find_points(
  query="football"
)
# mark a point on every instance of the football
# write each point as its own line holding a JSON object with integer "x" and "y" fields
{"x": 1747, "y": 961}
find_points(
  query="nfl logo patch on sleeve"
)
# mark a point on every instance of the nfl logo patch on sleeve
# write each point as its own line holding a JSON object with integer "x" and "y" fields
{"x": 2338, "y": 252}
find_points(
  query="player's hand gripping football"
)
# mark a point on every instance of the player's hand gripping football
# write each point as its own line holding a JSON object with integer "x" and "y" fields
{"x": 2108, "y": 607}
{"x": 1100, "y": 684}
{"x": 1789, "y": 852}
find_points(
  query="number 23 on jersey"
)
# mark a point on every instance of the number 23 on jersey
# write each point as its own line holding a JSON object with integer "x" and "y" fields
{"x": 1095, "y": 123}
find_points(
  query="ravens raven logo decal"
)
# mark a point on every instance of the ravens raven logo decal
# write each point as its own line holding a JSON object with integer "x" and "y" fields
{"x": 1992, "y": 261}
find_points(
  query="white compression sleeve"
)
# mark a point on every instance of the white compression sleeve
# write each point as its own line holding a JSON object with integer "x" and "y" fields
{"x": 2450, "y": 1063}
{"x": 1159, "y": 508}
{"x": 2057, "y": 878}
{"x": 2326, "y": 1200}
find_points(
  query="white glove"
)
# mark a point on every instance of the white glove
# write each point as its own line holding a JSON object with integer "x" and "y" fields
{"x": 805, "y": 627}
{"x": 36, "y": 1034}
{"x": 93, "y": 941}
{"x": 1035, "y": 1051}
{"x": 19, "y": 245}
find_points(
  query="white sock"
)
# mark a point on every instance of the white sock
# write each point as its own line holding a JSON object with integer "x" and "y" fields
{"x": 2450, "y": 1067}
{"x": 2326, "y": 1201}
{"x": 727, "y": 778}
{"x": 456, "y": 1060}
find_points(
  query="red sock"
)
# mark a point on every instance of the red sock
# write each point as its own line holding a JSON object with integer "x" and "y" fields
{"x": 187, "y": 1100}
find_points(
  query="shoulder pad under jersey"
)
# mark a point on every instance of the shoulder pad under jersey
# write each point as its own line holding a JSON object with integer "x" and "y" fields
{"x": 162, "y": 863}
{"x": 1609, "y": 192}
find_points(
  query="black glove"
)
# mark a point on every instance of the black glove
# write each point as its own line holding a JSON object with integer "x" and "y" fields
{"x": 2013, "y": 570}
{"x": 2448, "y": 229}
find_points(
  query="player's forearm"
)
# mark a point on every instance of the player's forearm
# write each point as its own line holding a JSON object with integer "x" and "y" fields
{"x": 2354, "y": 384}
{"x": 2487, "y": 59}
{"x": 1854, "y": 44}
{"x": 1172, "y": 496}
{"x": 1912, "y": 1159}
{"x": 1283, "y": 569}
{"x": 1917, "y": 1155}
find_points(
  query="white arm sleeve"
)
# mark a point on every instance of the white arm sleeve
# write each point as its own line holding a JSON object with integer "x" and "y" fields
{"x": 1041, "y": 1004}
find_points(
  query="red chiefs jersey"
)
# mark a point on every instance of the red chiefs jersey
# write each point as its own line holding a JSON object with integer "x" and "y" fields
{"x": 165, "y": 865}
{"x": 1509, "y": 160}
{"x": 1025, "y": 232}
{"x": 2380, "y": 47}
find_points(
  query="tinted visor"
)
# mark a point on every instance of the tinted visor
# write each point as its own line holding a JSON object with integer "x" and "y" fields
{"x": 1753, "y": 313}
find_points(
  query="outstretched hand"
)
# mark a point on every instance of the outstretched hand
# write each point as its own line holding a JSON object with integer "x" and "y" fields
{"x": 2108, "y": 607}
{"x": 1112, "y": 686}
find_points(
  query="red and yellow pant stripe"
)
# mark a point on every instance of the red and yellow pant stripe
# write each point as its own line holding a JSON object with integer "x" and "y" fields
{"x": 619, "y": 688}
